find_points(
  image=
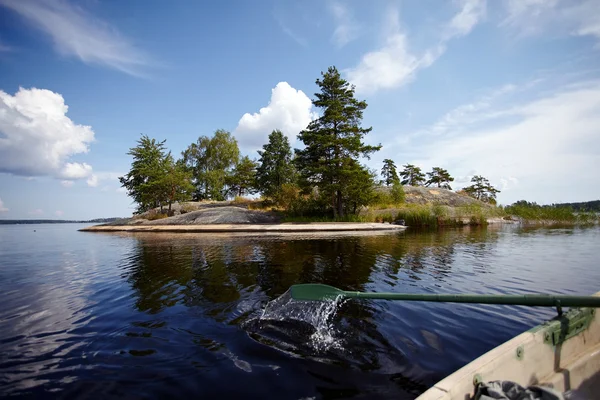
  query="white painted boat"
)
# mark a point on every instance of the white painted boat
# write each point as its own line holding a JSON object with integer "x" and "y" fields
{"x": 563, "y": 353}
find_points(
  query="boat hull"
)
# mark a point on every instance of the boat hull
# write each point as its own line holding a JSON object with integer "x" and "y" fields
{"x": 563, "y": 353}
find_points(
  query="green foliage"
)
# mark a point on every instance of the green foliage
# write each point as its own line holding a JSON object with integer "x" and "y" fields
{"x": 417, "y": 215}
{"x": 583, "y": 206}
{"x": 211, "y": 161}
{"x": 174, "y": 184}
{"x": 397, "y": 193}
{"x": 388, "y": 172}
{"x": 481, "y": 189}
{"x": 287, "y": 196}
{"x": 155, "y": 179}
{"x": 242, "y": 180}
{"x": 440, "y": 177}
{"x": 412, "y": 175}
{"x": 558, "y": 214}
{"x": 275, "y": 167}
{"x": 333, "y": 143}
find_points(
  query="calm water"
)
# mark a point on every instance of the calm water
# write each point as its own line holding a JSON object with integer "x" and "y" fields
{"x": 88, "y": 315}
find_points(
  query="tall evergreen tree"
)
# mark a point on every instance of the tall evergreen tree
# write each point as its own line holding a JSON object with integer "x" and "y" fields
{"x": 440, "y": 177}
{"x": 412, "y": 175}
{"x": 211, "y": 160}
{"x": 275, "y": 167}
{"x": 333, "y": 143}
{"x": 481, "y": 189}
{"x": 388, "y": 172}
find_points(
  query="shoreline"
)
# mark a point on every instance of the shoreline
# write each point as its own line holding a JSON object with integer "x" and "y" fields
{"x": 284, "y": 227}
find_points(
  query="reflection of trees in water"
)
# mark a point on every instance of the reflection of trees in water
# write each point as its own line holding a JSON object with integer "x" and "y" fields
{"x": 215, "y": 274}
{"x": 217, "y": 269}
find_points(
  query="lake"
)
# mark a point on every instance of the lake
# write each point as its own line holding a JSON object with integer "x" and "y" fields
{"x": 152, "y": 315}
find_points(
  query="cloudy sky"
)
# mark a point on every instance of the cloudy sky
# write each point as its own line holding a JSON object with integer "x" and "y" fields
{"x": 508, "y": 89}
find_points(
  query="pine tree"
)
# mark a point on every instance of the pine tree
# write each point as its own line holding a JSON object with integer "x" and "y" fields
{"x": 481, "y": 189}
{"x": 440, "y": 177}
{"x": 333, "y": 143}
{"x": 388, "y": 172}
{"x": 275, "y": 166}
{"x": 412, "y": 175}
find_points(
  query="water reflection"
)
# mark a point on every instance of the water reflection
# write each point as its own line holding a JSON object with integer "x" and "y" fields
{"x": 157, "y": 315}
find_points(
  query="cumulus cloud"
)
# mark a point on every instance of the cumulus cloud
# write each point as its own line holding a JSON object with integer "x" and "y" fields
{"x": 289, "y": 110}
{"x": 38, "y": 139}
{"x": 37, "y": 211}
{"x": 2, "y": 207}
{"x": 347, "y": 29}
{"x": 77, "y": 33}
{"x": 66, "y": 183}
{"x": 544, "y": 150}
{"x": 59, "y": 213}
{"x": 394, "y": 64}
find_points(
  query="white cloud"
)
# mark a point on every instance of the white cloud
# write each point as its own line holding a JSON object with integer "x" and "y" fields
{"x": 471, "y": 13}
{"x": 289, "y": 110}
{"x": 76, "y": 171}
{"x": 37, "y": 138}
{"x": 66, "y": 183}
{"x": 121, "y": 190}
{"x": 530, "y": 17}
{"x": 2, "y": 207}
{"x": 59, "y": 213}
{"x": 77, "y": 33}
{"x": 37, "y": 211}
{"x": 347, "y": 29}
{"x": 95, "y": 178}
{"x": 545, "y": 150}
{"x": 92, "y": 181}
{"x": 394, "y": 64}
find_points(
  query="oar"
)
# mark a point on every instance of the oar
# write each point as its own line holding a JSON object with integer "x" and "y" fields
{"x": 319, "y": 292}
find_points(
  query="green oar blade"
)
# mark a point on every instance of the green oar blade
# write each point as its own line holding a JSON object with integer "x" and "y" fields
{"x": 314, "y": 292}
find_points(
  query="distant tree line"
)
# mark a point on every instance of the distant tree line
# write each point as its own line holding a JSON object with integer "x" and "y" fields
{"x": 326, "y": 176}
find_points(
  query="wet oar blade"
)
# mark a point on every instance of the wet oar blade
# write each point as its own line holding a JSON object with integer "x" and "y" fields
{"x": 314, "y": 292}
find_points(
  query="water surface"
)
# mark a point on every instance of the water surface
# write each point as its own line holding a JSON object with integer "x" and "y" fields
{"x": 151, "y": 315}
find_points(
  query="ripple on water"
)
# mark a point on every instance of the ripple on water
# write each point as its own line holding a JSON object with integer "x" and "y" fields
{"x": 154, "y": 315}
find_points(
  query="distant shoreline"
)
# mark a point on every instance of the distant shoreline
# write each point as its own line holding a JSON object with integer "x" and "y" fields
{"x": 56, "y": 221}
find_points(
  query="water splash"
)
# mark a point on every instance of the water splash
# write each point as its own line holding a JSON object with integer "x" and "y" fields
{"x": 318, "y": 314}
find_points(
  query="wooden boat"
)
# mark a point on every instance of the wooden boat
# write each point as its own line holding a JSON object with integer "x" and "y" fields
{"x": 563, "y": 353}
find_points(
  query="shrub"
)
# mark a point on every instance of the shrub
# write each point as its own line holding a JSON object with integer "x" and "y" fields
{"x": 397, "y": 193}
{"x": 154, "y": 215}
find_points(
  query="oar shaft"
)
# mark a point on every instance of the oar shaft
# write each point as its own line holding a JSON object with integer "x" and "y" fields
{"x": 520, "y": 300}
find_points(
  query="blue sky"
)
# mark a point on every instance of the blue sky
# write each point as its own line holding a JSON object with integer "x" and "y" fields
{"x": 508, "y": 89}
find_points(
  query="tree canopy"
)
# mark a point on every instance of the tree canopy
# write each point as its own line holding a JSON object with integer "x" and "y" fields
{"x": 412, "y": 175}
{"x": 243, "y": 178}
{"x": 389, "y": 173}
{"x": 333, "y": 143}
{"x": 211, "y": 161}
{"x": 440, "y": 177}
{"x": 275, "y": 166}
{"x": 481, "y": 189}
{"x": 155, "y": 179}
